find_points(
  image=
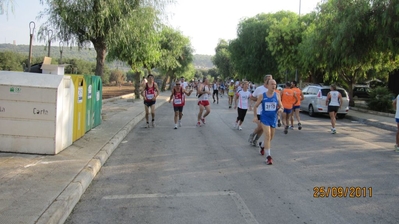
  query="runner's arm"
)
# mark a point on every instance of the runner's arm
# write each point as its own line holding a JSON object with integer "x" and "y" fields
{"x": 394, "y": 102}
{"x": 328, "y": 98}
{"x": 156, "y": 88}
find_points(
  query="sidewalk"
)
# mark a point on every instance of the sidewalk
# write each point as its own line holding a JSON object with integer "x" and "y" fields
{"x": 373, "y": 118}
{"x": 45, "y": 189}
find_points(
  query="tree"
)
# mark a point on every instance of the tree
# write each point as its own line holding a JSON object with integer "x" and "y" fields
{"x": 117, "y": 76}
{"x": 141, "y": 47}
{"x": 4, "y": 5}
{"x": 176, "y": 53}
{"x": 250, "y": 52}
{"x": 222, "y": 60}
{"x": 101, "y": 23}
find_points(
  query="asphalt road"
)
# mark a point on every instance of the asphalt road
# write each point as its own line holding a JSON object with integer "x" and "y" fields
{"x": 211, "y": 174}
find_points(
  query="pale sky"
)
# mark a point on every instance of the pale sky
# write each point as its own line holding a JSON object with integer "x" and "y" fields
{"x": 204, "y": 21}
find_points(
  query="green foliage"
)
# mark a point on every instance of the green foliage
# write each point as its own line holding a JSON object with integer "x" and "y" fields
{"x": 380, "y": 100}
{"x": 117, "y": 76}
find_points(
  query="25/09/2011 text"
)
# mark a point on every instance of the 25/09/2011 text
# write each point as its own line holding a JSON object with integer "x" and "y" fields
{"x": 342, "y": 192}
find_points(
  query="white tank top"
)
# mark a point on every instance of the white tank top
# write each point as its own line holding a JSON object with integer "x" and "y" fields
{"x": 397, "y": 107}
{"x": 334, "y": 100}
{"x": 243, "y": 99}
{"x": 204, "y": 96}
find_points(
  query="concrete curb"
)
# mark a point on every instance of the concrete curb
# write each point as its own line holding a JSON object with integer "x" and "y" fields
{"x": 372, "y": 112}
{"x": 59, "y": 210}
{"x": 374, "y": 123}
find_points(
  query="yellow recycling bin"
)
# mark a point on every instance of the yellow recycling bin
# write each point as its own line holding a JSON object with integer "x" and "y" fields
{"x": 79, "y": 113}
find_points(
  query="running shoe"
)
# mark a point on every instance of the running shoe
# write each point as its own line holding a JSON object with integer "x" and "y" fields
{"x": 269, "y": 160}
{"x": 230, "y": 107}
{"x": 235, "y": 125}
{"x": 291, "y": 127}
{"x": 153, "y": 124}
{"x": 198, "y": 124}
{"x": 251, "y": 138}
{"x": 286, "y": 130}
{"x": 203, "y": 120}
{"x": 239, "y": 128}
{"x": 261, "y": 149}
{"x": 148, "y": 125}
{"x": 299, "y": 126}
{"x": 333, "y": 131}
{"x": 255, "y": 143}
{"x": 179, "y": 123}
{"x": 279, "y": 123}
{"x": 175, "y": 126}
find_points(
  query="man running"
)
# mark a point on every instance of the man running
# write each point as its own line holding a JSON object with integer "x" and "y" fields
{"x": 242, "y": 100}
{"x": 334, "y": 102}
{"x": 255, "y": 135}
{"x": 231, "y": 92}
{"x": 289, "y": 99}
{"x": 396, "y": 106}
{"x": 295, "y": 109}
{"x": 270, "y": 101}
{"x": 215, "y": 88}
{"x": 178, "y": 101}
{"x": 150, "y": 93}
{"x": 203, "y": 102}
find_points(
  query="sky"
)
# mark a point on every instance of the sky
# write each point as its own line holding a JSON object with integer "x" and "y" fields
{"x": 205, "y": 22}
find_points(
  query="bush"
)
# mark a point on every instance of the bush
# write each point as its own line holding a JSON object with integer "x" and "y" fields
{"x": 380, "y": 100}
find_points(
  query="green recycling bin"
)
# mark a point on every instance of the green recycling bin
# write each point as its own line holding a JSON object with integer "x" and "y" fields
{"x": 97, "y": 99}
{"x": 89, "y": 103}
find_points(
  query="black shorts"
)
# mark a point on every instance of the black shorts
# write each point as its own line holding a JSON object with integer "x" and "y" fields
{"x": 333, "y": 109}
{"x": 215, "y": 92}
{"x": 241, "y": 114}
{"x": 149, "y": 103}
{"x": 180, "y": 109}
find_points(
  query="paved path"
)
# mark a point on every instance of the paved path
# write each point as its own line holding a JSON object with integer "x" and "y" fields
{"x": 45, "y": 189}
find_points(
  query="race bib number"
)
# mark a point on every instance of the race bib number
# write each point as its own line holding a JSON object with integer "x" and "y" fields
{"x": 205, "y": 97}
{"x": 270, "y": 106}
{"x": 231, "y": 91}
{"x": 177, "y": 101}
{"x": 150, "y": 96}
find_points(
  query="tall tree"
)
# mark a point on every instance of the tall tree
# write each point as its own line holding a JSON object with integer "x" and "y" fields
{"x": 4, "y": 5}
{"x": 222, "y": 60}
{"x": 250, "y": 52}
{"x": 99, "y": 22}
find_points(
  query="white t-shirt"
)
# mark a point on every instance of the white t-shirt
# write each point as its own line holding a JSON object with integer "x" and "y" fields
{"x": 259, "y": 91}
{"x": 243, "y": 99}
{"x": 397, "y": 107}
{"x": 184, "y": 85}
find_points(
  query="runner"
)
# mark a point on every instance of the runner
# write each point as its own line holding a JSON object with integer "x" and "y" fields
{"x": 215, "y": 88}
{"x": 255, "y": 135}
{"x": 178, "y": 101}
{"x": 270, "y": 101}
{"x": 334, "y": 102}
{"x": 203, "y": 102}
{"x": 295, "y": 109}
{"x": 150, "y": 93}
{"x": 278, "y": 115}
{"x": 289, "y": 99}
{"x": 231, "y": 92}
{"x": 396, "y": 106}
{"x": 221, "y": 88}
{"x": 183, "y": 83}
{"x": 243, "y": 97}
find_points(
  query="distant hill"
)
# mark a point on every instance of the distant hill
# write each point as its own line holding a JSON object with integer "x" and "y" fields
{"x": 200, "y": 61}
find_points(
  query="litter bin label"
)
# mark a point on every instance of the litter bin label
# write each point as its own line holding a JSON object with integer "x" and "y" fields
{"x": 89, "y": 92}
{"x": 14, "y": 89}
{"x": 80, "y": 94}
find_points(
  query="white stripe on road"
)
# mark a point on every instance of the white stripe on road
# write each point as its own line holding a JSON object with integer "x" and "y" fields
{"x": 241, "y": 206}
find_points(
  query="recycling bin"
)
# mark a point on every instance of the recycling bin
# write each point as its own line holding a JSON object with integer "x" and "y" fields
{"x": 79, "y": 112}
{"x": 97, "y": 100}
{"x": 89, "y": 104}
{"x": 36, "y": 112}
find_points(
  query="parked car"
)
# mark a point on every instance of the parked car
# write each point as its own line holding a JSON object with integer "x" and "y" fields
{"x": 314, "y": 101}
{"x": 280, "y": 86}
{"x": 361, "y": 92}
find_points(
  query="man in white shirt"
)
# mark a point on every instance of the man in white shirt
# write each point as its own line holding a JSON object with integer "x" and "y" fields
{"x": 183, "y": 83}
{"x": 255, "y": 135}
{"x": 396, "y": 106}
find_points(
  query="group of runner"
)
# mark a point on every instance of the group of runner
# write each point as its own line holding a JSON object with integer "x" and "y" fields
{"x": 272, "y": 107}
